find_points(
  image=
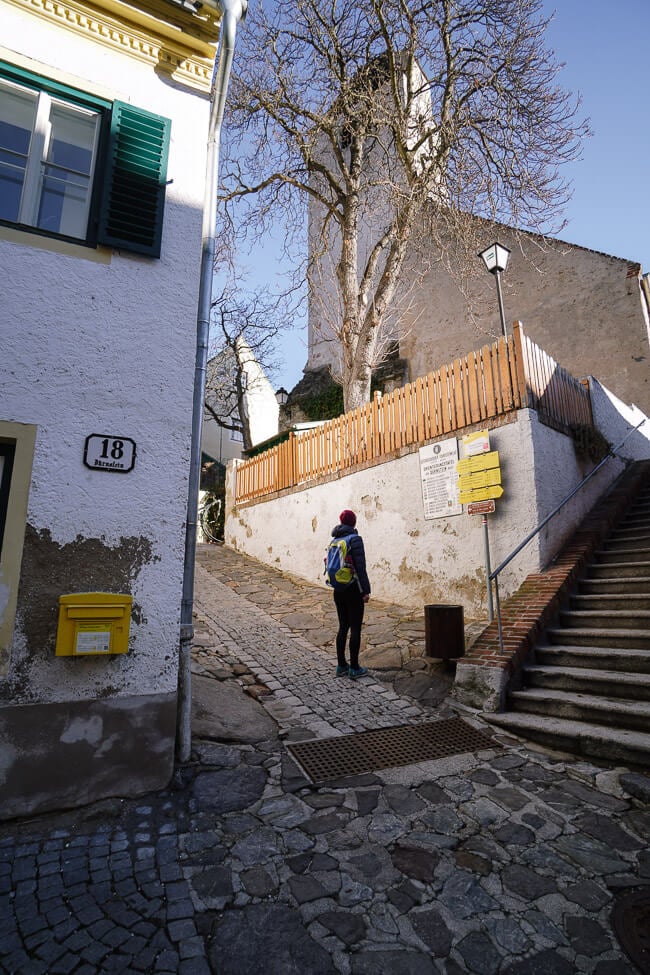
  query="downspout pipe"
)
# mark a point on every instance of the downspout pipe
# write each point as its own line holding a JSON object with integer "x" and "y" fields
{"x": 233, "y": 11}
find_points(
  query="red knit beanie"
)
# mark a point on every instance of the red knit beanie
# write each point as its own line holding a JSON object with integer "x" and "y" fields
{"x": 348, "y": 517}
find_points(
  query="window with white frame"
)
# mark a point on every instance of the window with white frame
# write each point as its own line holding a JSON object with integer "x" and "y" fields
{"x": 237, "y": 434}
{"x": 48, "y": 153}
{"x": 80, "y": 167}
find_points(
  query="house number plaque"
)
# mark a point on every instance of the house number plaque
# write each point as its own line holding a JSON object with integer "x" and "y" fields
{"x": 116, "y": 455}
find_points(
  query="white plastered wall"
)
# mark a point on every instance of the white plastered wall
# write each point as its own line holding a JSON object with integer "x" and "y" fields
{"x": 103, "y": 342}
{"x": 259, "y": 398}
{"x": 413, "y": 561}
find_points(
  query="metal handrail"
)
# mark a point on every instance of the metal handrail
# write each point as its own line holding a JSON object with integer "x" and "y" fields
{"x": 493, "y": 576}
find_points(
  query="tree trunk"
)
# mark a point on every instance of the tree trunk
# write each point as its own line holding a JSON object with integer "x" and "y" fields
{"x": 358, "y": 356}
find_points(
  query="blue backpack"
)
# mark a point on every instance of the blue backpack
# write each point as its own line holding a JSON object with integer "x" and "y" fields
{"x": 339, "y": 565}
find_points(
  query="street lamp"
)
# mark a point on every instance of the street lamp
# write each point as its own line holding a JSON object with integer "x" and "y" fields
{"x": 281, "y": 396}
{"x": 495, "y": 257}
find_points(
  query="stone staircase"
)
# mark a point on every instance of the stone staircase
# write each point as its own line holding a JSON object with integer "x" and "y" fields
{"x": 586, "y": 689}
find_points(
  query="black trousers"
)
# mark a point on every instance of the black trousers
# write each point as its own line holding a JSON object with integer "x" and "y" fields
{"x": 349, "y": 607}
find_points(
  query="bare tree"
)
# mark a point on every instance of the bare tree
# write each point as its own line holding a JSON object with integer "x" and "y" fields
{"x": 245, "y": 327}
{"x": 394, "y": 119}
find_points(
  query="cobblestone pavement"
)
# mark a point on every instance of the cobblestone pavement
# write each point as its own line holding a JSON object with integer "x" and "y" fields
{"x": 509, "y": 860}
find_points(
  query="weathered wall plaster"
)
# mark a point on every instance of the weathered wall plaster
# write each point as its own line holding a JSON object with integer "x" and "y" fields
{"x": 412, "y": 561}
{"x": 82, "y": 750}
{"x": 93, "y": 342}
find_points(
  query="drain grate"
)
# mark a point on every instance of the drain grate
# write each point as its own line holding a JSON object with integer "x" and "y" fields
{"x": 631, "y": 922}
{"x": 369, "y": 751}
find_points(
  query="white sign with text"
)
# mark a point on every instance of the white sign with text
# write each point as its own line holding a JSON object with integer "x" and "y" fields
{"x": 439, "y": 479}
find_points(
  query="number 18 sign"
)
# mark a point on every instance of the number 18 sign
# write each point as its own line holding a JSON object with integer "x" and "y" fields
{"x": 113, "y": 454}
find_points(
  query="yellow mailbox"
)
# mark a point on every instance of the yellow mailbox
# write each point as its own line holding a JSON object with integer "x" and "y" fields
{"x": 93, "y": 623}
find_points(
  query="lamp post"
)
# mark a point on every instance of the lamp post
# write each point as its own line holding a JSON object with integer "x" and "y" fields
{"x": 232, "y": 12}
{"x": 495, "y": 257}
{"x": 281, "y": 396}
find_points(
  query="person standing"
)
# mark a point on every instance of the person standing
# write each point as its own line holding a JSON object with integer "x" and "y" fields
{"x": 350, "y": 600}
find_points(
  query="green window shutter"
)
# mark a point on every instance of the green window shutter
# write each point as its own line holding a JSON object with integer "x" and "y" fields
{"x": 131, "y": 214}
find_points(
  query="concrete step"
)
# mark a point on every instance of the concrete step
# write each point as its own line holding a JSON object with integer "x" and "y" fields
{"x": 630, "y": 541}
{"x": 627, "y": 528}
{"x": 640, "y": 504}
{"x": 622, "y": 584}
{"x": 597, "y": 637}
{"x": 606, "y": 602}
{"x": 637, "y": 515}
{"x": 587, "y": 686}
{"x": 594, "y": 658}
{"x": 612, "y": 570}
{"x": 595, "y": 742}
{"x": 598, "y": 683}
{"x": 628, "y": 619}
{"x": 612, "y": 712}
{"x": 605, "y": 555}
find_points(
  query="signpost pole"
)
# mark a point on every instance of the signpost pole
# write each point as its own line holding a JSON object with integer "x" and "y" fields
{"x": 479, "y": 483}
{"x": 488, "y": 568}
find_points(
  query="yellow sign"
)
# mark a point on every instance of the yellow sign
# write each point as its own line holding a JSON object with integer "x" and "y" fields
{"x": 481, "y": 479}
{"x": 483, "y": 462}
{"x": 481, "y": 494}
{"x": 476, "y": 443}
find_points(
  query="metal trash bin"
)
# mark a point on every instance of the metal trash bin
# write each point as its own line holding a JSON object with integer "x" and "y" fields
{"x": 444, "y": 632}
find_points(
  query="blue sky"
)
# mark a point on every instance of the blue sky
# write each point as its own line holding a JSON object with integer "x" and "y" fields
{"x": 604, "y": 46}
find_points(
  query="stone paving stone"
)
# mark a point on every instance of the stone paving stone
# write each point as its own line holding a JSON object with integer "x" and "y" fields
{"x": 503, "y": 861}
{"x": 398, "y": 962}
{"x": 268, "y": 939}
{"x": 194, "y": 966}
{"x": 548, "y": 962}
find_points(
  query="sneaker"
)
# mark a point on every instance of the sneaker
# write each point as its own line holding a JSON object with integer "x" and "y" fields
{"x": 355, "y": 672}
{"x": 342, "y": 671}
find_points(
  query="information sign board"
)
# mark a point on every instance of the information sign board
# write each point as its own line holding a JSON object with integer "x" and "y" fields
{"x": 439, "y": 481}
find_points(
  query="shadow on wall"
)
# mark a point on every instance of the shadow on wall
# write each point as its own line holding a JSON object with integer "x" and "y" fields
{"x": 615, "y": 420}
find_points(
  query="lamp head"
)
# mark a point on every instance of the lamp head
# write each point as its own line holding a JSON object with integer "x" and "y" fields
{"x": 495, "y": 257}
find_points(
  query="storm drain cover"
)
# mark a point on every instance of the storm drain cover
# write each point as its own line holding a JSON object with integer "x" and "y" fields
{"x": 631, "y": 921}
{"x": 369, "y": 751}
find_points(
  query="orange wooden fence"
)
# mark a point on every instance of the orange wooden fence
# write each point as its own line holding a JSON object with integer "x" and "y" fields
{"x": 559, "y": 398}
{"x": 489, "y": 383}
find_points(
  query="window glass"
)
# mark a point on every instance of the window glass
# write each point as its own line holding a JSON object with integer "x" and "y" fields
{"x": 237, "y": 434}
{"x": 17, "y": 116}
{"x": 47, "y": 157}
{"x": 67, "y": 171}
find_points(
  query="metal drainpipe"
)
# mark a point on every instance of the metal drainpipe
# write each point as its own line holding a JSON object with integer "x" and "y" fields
{"x": 233, "y": 11}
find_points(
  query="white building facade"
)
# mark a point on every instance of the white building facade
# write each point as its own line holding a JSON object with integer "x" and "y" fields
{"x": 103, "y": 124}
{"x": 223, "y": 439}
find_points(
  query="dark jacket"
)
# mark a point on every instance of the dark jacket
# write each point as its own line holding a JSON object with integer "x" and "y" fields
{"x": 355, "y": 545}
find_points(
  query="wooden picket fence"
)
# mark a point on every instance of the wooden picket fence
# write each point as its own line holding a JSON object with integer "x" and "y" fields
{"x": 484, "y": 385}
